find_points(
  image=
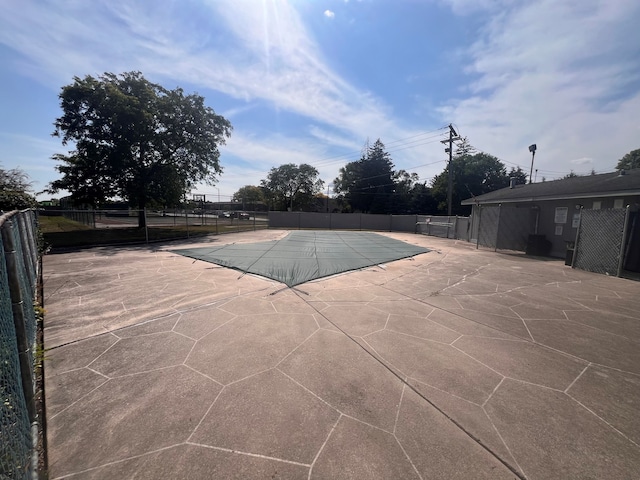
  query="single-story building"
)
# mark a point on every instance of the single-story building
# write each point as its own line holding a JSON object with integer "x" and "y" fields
{"x": 549, "y": 213}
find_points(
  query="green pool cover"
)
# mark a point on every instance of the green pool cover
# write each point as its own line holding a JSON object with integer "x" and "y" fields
{"x": 306, "y": 255}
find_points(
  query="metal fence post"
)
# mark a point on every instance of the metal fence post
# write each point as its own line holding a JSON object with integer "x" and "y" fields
{"x": 575, "y": 244}
{"x": 495, "y": 248}
{"x": 479, "y": 225}
{"x": 622, "y": 243}
{"x": 17, "y": 304}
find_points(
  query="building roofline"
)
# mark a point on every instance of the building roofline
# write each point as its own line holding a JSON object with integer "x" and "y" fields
{"x": 541, "y": 198}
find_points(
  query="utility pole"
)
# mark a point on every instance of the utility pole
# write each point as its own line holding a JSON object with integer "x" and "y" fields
{"x": 452, "y": 136}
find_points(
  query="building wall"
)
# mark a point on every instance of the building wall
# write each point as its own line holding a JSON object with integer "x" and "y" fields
{"x": 557, "y": 219}
{"x": 559, "y": 232}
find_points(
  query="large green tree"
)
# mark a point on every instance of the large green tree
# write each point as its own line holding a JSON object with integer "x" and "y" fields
{"x": 292, "y": 186}
{"x": 367, "y": 185}
{"x": 473, "y": 175}
{"x": 15, "y": 190}
{"x": 422, "y": 201}
{"x": 629, "y": 161}
{"x": 135, "y": 140}
{"x": 249, "y": 194}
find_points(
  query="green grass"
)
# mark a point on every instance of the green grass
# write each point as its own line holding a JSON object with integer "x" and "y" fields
{"x": 60, "y": 232}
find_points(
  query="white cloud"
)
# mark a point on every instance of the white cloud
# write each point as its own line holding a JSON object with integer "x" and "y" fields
{"x": 556, "y": 74}
{"x": 329, "y": 14}
{"x": 255, "y": 156}
{"x": 582, "y": 161}
{"x": 259, "y": 53}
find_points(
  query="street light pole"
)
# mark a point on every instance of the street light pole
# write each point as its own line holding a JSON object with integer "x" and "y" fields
{"x": 532, "y": 149}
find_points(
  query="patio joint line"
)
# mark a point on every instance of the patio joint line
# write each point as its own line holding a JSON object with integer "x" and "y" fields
{"x": 417, "y": 337}
{"x": 616, "y": 369}
{"x": 442, "y": 412}
{"x": 494, "y": 391}
{"x": 601, "y": 419}
{"x": 389, "y": 362}
{"x": 526, "y": 327}
{"x": 476, "y": 360}
{"x": 248, "y": 454}
{"x": 395, "y": 424}
{"x": 115, "y": 462}
{"x": 249, "y": 376}
{"x": 444, "y": 391}
{"x": 601, "y": 330}
{"x": 524, "y": 475}
{"x": 309, "y": 391}
{"x": 78, "y": 400}
{"x": 355, "y": 419}
{"x": 566, "y": 390}
{"x": 415, "y": 469}
{"x": 159, "y": 369}
{"x": 108, "y": 348}
{"x": 322, "y": 446}
{"x": 203, "y": 374}
{"x": 195, "y": 429}
{"x": 297, "y": 346}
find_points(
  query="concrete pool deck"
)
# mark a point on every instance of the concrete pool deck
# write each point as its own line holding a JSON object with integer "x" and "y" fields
{"x": 457, "y": 363}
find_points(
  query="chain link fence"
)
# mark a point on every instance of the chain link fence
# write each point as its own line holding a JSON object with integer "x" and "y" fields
{"x": 514, "y": 228}
{"x": 76, "y": 228}
{"x": 18, "y": 283}
{"x": 488, "y": 222}
{"x": 600, "y": 240}
{"x": 504, "y": 227}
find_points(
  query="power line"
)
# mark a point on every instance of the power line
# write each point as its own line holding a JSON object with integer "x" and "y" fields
{"x": 396, "y": 148}
{"x": 540, "y": 171}
{"x": 355, "y": 155}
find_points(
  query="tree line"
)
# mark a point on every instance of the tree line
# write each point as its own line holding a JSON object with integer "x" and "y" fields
{"x": 137, "y": 141}
{"x": 372, "y": 184}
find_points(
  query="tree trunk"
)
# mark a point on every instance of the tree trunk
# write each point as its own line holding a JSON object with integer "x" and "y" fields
{"x": 142, "y": 197}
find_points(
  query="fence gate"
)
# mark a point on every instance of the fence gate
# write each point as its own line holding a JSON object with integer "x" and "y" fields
{"x": 514, "y": 228}
{"x": 489, "y": 219}
{"x": 600, "y": 240}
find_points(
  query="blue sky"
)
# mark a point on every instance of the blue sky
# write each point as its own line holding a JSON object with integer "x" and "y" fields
{"x": 309, "y": 81}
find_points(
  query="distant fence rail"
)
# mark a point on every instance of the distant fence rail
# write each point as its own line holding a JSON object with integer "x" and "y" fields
{"x": 444, "y": 226}
{"x": 19, "y": 268}
{"x": 343, "y": 221}
{"x": 73, "y": 228}
{"x": 439, "y": 226}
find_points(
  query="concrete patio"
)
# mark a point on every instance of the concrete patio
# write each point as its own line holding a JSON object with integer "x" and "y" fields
{"x": 457, "y": 363}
